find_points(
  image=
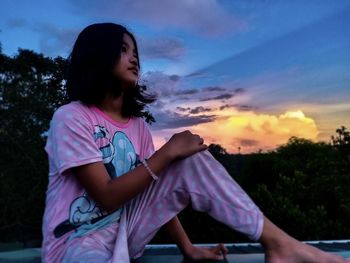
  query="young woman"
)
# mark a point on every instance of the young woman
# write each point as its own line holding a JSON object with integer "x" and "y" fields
{"x": 109, "y": 192}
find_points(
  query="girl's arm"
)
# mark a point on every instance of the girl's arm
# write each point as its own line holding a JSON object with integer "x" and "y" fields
{"x": 113, "y": 193}
{"x": 179, "y": 236}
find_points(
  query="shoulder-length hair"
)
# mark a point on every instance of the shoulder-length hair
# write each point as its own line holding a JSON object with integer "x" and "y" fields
{"x": 90, "y": 69}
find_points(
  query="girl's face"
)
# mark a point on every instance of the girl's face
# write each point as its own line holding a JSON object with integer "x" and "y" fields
{"x": 127, "y": 69}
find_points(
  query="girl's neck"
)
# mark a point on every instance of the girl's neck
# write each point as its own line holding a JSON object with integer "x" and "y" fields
{"x": 113, "y": 108}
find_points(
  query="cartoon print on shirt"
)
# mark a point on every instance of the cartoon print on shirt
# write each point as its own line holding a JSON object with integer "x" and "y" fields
{"x": 119, "y": 157}
{"x": 103, "y": 140}
{"x": 84, "y": 209}
{"x": 125, "y": 158}
{"x": 118, "y": 154}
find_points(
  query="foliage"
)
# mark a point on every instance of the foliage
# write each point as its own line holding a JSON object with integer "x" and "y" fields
{"x": 30, "y": 91}
{"x": 342, "y": 140}
{"x": 312, "y": 190}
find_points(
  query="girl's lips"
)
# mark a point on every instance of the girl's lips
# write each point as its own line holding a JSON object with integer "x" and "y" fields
{"x": 135, "y": 71}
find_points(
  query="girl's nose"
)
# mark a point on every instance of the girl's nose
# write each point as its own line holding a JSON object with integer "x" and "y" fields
{"x": 133, "y": 60}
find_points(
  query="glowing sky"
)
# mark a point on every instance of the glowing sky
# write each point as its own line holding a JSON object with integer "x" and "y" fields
{"x": 246, "y": 74}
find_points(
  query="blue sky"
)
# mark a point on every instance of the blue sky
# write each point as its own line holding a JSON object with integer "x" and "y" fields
{"x": 246, "y": 74}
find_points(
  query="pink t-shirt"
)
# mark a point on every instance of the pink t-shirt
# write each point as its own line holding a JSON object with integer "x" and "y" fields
{"x": 81, "y": 135}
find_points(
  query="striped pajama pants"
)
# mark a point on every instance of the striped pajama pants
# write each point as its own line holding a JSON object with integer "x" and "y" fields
{"x": 198, "y": 180}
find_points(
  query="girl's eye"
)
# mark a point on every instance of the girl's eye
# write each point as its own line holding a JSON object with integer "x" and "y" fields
{"x": 124, "y": 49}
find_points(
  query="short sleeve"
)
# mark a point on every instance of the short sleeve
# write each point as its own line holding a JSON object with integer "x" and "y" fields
{"x": 147, "y": 141}
{"x": 70, "y": 141}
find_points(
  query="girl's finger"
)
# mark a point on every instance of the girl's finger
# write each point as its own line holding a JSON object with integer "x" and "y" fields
{"x": 223, "y": 248}
{"x": 220, "y": 249}
{"x": 219, "y": 257}
{"x": 216, "y": 250}
{"x": 215, "y": 254}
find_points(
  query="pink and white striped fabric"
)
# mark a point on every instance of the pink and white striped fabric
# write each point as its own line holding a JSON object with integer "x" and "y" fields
{"x": 198, "y": 180}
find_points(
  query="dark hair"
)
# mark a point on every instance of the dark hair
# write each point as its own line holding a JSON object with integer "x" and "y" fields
{"x": 90, "y": 69}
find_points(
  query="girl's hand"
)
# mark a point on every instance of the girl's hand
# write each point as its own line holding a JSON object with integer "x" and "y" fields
{"x": 184, "y": 144}
{"x": 218, "y": 252}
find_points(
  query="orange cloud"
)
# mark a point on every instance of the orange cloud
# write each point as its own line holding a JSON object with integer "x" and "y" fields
{"x": 251, "y": 131}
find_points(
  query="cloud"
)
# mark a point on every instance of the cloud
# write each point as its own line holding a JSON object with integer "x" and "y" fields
{"x": 174, "y": 77}
{"x": 195, "y": 110}
{"x": 160, "y": 83}
{"x": 171, "y": 87}
{"x": 239, "y": 124}
{"x": 253, "y": 131}
{"x": 210, "y": 89}
{"x": 196, "y": 75}
{"x": 208, "y": 18}
{"x": 169, "y": 114}
{"x": 162, "y": 48}
{"x": 239, "y": 91}
{"x": 55, "y": 40}
{"x": 187, "y": 92}
{"x": 199, "y": 110}
{"x": 224, "y": 96}
{"x": 239, "y": 107}
{"x": 159, "y": 104}
{"x": 172, "y": 120}
{"x": 16, "y": 23}
{"x": 172, "y": 94}
{"x": 206, "y": 94}
{"x": 248, "y": 142}
{"x": 183, "y": 109}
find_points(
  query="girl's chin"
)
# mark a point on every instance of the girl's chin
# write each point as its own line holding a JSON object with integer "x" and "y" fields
{"x": 130, "y": 85}
{"x": 131, "y": 81}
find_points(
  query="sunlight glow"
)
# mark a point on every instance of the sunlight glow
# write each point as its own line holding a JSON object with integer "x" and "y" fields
{"x": 251, "y": 131}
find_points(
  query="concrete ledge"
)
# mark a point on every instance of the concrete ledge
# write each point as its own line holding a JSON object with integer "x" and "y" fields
{"x": 28, "y": 255}
{"x": 238, "y": 253}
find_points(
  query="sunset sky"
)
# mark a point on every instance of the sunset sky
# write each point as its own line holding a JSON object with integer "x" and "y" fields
{"x": 244, "y": 73}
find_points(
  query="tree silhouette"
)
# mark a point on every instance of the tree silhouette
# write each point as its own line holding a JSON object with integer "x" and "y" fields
{"x": 31, "y": 89}
{"x": 342, "y": 140}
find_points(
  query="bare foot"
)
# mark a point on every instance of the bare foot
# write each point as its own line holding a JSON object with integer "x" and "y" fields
{"x": 281, "y": 248}
{"x": 297, "y": 252}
